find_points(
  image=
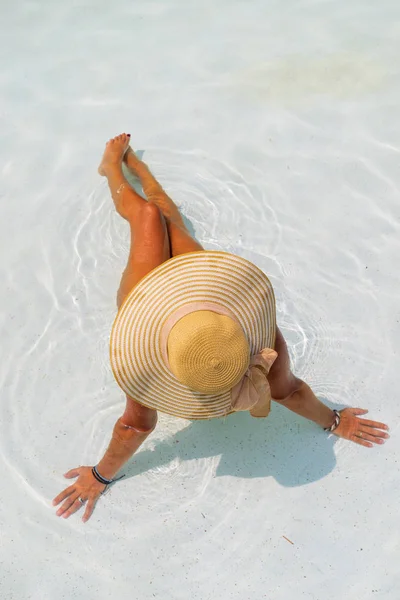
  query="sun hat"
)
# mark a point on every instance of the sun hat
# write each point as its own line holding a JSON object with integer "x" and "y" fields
{"x": 195, "y": 337}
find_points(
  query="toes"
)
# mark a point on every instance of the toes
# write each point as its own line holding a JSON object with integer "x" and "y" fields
{"x": 122, "y": 138}
{"x": 119, "y": 138}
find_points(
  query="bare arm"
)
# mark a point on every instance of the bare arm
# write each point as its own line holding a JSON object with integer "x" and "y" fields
{"x": 130, "y": 431}
{"x": 304, "y": 402}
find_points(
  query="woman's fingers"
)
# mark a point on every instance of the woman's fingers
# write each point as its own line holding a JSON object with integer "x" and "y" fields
{"x": 374, "y": 432}
{"x": 375, "y": 424}
{"x": 76, "y": 505}
{"x": 67, "y": 504}
{"x": 84, "y": 491}
{"x": 72, "y": 473}
{"x": 361, "y": 431}
{"x": 361, "y": 441}
{"x": 67, "y": 492}
{"x": 366, "y": 435}
{"x": 89, "y": 509}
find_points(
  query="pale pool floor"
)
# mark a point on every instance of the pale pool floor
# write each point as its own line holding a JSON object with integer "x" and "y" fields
{"x": 276, "y": 128}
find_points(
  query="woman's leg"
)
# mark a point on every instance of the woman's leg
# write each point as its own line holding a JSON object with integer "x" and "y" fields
{"x": 148, "y": 249}
{"x": 149, "y": 236}
{"x": 127, "y": 202}
{"x": 181, "y": 242}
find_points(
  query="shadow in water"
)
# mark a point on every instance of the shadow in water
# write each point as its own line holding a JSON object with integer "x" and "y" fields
{"x": 189, "y": 226}
{"x": 293, "y": 451}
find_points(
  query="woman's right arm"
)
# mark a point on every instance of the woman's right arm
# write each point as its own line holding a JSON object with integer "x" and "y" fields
{"x": 130, "y": 431}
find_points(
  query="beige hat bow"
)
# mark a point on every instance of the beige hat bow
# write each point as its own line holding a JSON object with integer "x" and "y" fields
{"x": 253, "y": 392}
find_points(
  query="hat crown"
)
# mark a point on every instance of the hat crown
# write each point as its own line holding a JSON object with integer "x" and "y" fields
{"x": 208, "y": 352}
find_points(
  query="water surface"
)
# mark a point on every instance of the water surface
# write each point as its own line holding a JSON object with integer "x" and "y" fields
{"x": 276, "y": 128}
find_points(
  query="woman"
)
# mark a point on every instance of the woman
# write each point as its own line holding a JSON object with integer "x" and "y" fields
{"x": 195, "y": 337}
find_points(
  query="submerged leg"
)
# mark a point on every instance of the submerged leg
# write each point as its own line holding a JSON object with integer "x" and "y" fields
{"x": 181, "y": 242}
{"x": 152, "y": 188}
{"x": 149, "y": 245}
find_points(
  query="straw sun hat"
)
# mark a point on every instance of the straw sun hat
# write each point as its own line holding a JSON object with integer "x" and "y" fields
{"x": 195, "y": 337}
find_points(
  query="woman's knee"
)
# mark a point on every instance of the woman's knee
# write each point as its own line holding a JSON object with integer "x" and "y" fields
{"x": 150, "y": 213}
{"x": 151, "y": 224}
{"x": 153, "y": 234}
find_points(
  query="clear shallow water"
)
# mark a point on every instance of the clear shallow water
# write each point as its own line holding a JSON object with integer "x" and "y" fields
{"x": 276, "y": 128}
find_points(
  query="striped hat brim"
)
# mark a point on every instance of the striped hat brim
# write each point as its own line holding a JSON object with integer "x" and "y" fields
{"x": 206, "y": 276}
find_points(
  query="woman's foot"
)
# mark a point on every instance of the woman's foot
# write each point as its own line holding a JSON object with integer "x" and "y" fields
{"x": 114, "y": 152}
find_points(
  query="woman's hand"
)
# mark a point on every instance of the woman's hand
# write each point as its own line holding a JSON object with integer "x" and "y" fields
{"x": 361, "y": 431}
{"x": 86, "y": 488}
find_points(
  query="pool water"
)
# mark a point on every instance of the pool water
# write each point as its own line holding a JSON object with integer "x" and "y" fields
{"x": 276, "y": 128}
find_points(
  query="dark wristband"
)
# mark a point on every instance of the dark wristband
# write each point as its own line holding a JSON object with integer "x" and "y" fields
{"x": 102, "y": 479}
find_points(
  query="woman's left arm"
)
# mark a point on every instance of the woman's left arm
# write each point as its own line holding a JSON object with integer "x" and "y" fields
{"x": 361, "y": 431}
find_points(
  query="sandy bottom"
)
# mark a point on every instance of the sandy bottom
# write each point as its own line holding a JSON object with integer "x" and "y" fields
{"x": 276, "y": 128}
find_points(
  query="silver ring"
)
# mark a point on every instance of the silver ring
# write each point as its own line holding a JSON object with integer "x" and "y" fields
{"x": 81, "y": 500}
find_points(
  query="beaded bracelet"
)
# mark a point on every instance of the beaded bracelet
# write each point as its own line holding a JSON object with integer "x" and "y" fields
{"x": 335, "y": 423}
